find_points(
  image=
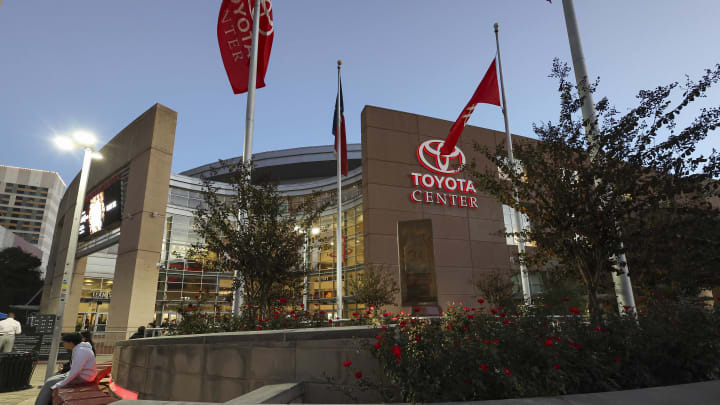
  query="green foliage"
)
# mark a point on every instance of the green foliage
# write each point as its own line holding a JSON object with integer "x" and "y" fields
{"x": 588, "y": 201}
{"x": 282, "y": 314}
{"x": 19, "y": 277}
{"x": 498, "y": 288}
{"x": 472, "y": 354}
{"x": 253, "y": 231}
{"x": 375, "y": 287}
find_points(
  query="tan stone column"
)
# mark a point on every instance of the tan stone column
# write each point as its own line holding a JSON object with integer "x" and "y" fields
{"x": 73, "y": 300}
{"x": 136, "y": 272}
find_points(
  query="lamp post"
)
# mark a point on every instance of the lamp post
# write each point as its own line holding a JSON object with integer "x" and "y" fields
{"x": 85, "y": 141}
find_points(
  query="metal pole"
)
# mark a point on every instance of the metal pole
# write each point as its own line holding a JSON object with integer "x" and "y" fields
{"x": 623, "y": 286}
{"x": 338, "y": 233}
{"x": 69, "y": 263}
{"x": 306, "y": 268}
{"x": 524, "y": 277}
{"x": 249, "y": 125}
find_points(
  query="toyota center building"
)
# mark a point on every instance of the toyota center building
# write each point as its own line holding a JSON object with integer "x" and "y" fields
{"x": 406, "y": 210}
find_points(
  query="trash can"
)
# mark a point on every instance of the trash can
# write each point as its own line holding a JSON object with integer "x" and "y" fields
{"x": 16, "y": 370}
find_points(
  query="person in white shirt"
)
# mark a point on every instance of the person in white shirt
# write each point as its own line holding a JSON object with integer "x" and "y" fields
{"x": 9, "y": 327}
{"x": 82, "y": 368}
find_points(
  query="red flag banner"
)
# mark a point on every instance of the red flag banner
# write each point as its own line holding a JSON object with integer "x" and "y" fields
{"x": 487, "y": 92}
{"x": 234, "y": 31}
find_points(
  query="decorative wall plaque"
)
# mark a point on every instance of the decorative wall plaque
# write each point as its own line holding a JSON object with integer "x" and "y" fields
{"x": 417, "y": 263}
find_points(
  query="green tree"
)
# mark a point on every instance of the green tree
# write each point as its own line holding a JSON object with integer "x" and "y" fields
{"x": 19, "y": 277}
{"x": 375, "y": 286}
{"x": 253, "y": 231}
{"x": 586, "y": 199}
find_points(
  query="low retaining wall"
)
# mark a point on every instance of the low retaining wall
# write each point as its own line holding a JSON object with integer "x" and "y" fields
{"x": 222, "y": 366}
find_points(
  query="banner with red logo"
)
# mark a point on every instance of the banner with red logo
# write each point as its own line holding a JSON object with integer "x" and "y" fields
{"x": 234, "y": 31}
{"x": 487, "y": 92}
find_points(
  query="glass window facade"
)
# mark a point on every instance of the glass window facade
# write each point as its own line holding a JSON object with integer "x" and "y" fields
{"x": 94, "y": 304}
{"x": 182, "y": 279}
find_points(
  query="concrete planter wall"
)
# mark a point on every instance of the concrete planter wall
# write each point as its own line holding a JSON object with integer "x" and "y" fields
{"x": 221, "y": 366}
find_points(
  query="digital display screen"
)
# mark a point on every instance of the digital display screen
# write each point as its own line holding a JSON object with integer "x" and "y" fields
{"x": 101, "y": 210}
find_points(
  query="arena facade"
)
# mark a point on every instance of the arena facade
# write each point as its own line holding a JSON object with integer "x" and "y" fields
{"x": 407, "y": 210}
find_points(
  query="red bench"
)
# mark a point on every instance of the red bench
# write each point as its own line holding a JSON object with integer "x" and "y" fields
{"x": 87, "y": 393}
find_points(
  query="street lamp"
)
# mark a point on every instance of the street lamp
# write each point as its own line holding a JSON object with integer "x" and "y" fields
{"x": 86, "y": 141}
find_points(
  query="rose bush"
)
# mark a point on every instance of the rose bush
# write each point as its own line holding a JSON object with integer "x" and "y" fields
{"x": 475, "y": 354}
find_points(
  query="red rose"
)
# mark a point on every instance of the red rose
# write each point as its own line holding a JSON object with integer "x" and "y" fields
{"x": 566, "y": 299}
{"x": 417, "y": 338}
{"x": 377, "y": 345}
{"x": 557, "y": 367}
{"x": 358, "y": 375}
{"x": 495, "y": 341}
{"x": 575, "y": 310}
{"x": 386, "y": 313}
{"x": 416, "y": 309}
{"x": 283, "y": 300}
{"x": 508, "y": 372}
{"x": 484, "y": 367}
{"x": 503, "y": 315}
{"x": 617, "y": 359}
{"x": 471, "y": 316}
{"x": 397, "y": 352}
{"x": 480, "y": 300}
{"x": 259, "y": 328}
{"x": 493, "y": 310}
{"x": 549, "y": 343}
{"x": 486, "y": 341}
{"x": 347, "y": 363}
{"x": 384, "y": 327}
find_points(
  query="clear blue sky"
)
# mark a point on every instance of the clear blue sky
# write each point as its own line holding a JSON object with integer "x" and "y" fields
{"x": 97, "y": 65}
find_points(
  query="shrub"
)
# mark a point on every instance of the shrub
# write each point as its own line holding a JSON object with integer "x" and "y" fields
{"x": 473, "y": 354}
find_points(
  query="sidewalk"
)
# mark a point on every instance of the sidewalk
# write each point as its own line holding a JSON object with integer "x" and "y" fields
{"x": 27, "y": 397}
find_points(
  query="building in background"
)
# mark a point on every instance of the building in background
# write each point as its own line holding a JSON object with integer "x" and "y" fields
{"x": 9, "y": 239}
{"x": 29, "y": 201}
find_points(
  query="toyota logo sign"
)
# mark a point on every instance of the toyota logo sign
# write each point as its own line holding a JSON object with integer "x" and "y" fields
{"x": 428, "y": 154}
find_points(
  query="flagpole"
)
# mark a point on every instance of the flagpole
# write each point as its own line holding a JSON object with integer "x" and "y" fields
{"x": 524, "y": 277}
{"x": 338, "y": 234}
{"x": 249, "y": 124}
{"x": 623, "y": 285}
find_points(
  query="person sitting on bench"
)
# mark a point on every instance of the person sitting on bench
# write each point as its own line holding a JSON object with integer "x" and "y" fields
{"x": 82, "y": 369}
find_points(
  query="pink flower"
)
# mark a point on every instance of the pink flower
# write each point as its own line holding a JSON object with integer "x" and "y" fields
{"x": 347, "y": 363}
